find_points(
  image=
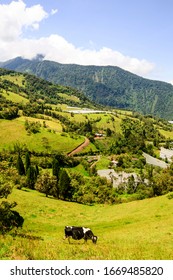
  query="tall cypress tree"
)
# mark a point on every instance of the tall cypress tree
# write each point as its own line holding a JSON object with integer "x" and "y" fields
{"x": 65, "y": 189}
{"x": 31, "y": 177}
{"x": 20, "y": 166}
{"x": 27, "y": 161}
{"x": 55, "y": 168}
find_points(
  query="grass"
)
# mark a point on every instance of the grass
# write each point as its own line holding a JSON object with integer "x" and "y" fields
{"x": 167, "y": 134}
{"x": 17, "y": 79}
{"x": 14, "y": 97}
{"x": 103, "y": 163}
{"x": 91, "y": 148}
{"x": 49, "y": 123}
{"x": 69, "y": 97}
{"x": 14, "y": 131}
{"x": 135, "y": 230}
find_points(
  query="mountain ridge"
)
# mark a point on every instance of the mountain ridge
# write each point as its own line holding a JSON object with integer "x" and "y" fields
{"x": 106, "y": 85}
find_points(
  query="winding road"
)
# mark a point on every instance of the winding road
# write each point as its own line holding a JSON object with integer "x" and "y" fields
{"x": 80, "y": 147}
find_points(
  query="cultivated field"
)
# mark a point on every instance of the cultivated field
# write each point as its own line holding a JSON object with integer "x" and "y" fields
{"x": 135, "y": 230}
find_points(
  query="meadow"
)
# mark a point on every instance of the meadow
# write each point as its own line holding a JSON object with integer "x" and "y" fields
{"x": 136, "y": 230}
{"x": 13, "y": 131}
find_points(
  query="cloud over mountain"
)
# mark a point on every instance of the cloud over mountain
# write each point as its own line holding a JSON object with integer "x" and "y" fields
{"x": 16, "y": 18}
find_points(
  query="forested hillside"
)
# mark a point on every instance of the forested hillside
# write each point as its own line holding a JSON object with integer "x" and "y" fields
{"x": 107, "y": 85}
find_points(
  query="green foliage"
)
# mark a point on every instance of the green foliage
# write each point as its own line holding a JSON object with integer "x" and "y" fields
{"x": 55, "y": 168}
{"x": 32, "y": 127}
{"x": 27, "y": 161}
{"x": 5, "y": 188}
{"x": 65, "y": 188}
{"x": 31, "y": 176}
{"x": 9, "y": 113}
{"x": 9, "y": 218}
{"x": 20, "y": 166}
{"x": 46, "y": 184}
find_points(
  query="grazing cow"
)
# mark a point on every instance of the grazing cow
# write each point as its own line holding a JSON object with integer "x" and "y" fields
{"x": 78, "y": 233}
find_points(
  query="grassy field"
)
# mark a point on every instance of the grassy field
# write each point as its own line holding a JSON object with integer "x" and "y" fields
{"x": 135, "y": 230}
{"x": 17, "y": 79}
{"x": 15, "y": 97}
{"x": 167, "y": 134}
{"x": 14, "y": 131}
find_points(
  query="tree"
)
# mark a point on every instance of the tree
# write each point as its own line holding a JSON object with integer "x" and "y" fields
{"x": 65, "y": 188}
{"x": 27, "y": 161}
{"x": 108, "y": 132}
{"x": 20, "y": 166}
{"x": 55, "y": 168}
{"x": 46, "y": 184}
{"x": 31, "y": 177}
{"x": 8, "y": 218}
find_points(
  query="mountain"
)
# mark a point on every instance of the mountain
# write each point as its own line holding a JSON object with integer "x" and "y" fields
{"x": 106, "y": 85}
{"x": 24, "y": 87}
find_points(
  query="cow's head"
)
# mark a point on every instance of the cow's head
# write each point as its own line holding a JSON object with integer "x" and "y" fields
{"x": 94, "y": 239}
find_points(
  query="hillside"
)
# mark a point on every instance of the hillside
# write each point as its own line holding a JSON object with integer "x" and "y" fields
{"x": 36, "y": 89}
{"x": 55, "y": 184}
{"x": 31, "y": 113}
{"x": 106, "y": 85}
{"x": 120, "y": 230}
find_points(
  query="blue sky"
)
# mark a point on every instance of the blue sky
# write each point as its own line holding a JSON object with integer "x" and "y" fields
{"x": 134, "y": 35}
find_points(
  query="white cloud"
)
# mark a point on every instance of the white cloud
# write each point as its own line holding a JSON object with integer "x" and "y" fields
{"x": 16, "y": 16}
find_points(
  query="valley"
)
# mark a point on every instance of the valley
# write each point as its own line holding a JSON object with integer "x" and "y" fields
{"x": 54, "y": 142}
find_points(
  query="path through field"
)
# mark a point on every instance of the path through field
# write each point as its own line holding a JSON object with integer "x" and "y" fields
{"x": 80, "y": 147}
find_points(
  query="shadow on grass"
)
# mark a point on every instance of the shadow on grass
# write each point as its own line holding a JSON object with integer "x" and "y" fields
{"x": 27, "y": 236}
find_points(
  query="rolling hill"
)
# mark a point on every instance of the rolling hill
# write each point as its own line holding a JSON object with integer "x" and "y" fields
{"x": 120, "y": 229}
{"x": 106, "y": 85}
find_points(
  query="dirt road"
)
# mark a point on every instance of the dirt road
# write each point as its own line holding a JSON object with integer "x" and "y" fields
{"x": 80, "y": 148}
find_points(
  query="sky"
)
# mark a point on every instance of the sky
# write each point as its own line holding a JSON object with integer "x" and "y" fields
{"x": 134, "y": 35}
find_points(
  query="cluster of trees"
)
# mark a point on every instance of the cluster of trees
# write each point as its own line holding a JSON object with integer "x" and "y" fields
{"x": 9, "y": 218}
{"x": 30, "y": 171}
{"x": 135, "y": 136}
{"x": 9, "y": 112}
{"x": 63, "y": 184}
{"x": 32, "y": 127}
{"x": 152, "y": 181}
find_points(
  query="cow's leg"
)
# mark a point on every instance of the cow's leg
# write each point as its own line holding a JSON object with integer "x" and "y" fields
{"x": 69, "y": 239}
{"x": 85, "y": 240}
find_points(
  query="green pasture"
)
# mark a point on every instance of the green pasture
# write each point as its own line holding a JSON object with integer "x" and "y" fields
{"x": 167, "y": 134}
{"x": 104, "y": 122}
{"x": 13, "y": 131}
{"x": 136, "y": 230}
{"x": 48, "y": 122}
{"x": 102, "y": 163}
{"x": 69, "y": 97}
{"x": 17, "y": 79}
{"x": 14, "y": 97}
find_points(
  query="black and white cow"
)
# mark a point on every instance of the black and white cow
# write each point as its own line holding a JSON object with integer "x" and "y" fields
{"x": 78, "y": 233}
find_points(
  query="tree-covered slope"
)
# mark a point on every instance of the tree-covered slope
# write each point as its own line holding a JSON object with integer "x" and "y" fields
{"x": 107, "y": 85}
{"x": 34, "y": 89}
